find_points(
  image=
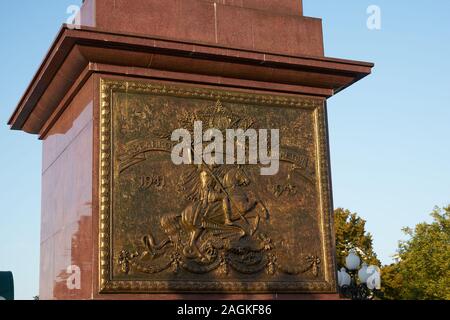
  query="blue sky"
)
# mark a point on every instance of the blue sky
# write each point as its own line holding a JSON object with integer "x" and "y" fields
{"x": 389, "y": 133}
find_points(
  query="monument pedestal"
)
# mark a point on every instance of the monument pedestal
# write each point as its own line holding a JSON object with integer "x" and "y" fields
{"x": 103, "y": 102}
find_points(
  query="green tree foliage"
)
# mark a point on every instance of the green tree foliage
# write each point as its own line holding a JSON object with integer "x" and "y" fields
{"x": 423, "y": 270}
{"x": 392, "y": 282}
{"x": 351, "y": 233}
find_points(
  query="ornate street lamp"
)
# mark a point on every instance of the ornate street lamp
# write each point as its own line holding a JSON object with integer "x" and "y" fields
{"x": 358, "y": 282}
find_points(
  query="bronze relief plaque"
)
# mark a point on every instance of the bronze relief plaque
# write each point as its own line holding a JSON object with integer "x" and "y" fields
{"x": 167, "y": 228}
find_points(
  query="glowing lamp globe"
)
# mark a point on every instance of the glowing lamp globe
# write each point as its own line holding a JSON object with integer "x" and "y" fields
{"x": 352, "y": 261}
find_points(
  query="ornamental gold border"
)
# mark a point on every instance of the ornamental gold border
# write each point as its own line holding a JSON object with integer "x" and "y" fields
{"x": 108, "y": 285}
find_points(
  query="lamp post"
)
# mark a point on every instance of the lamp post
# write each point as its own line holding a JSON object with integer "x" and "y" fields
{"x": 358, "y": 281}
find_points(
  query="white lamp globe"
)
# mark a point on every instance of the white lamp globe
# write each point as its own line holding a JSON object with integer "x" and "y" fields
{"x": 352, "y": 261}
{"x": 344, "y": 278}
{"x": 363, "y": 274}
{"x": 339, "y": 277}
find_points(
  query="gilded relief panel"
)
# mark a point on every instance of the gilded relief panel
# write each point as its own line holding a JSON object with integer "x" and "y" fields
{"x": 211, "y": 228}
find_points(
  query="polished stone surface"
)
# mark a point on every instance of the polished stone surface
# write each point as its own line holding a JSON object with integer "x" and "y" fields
{"x": 66, "y": 216}
{"x": 264, "y": 25}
